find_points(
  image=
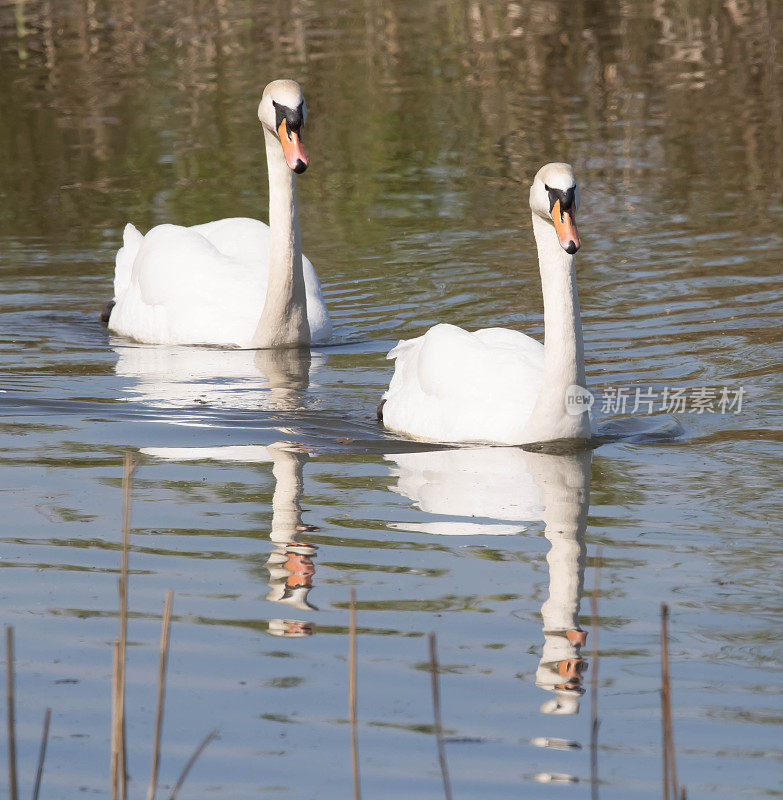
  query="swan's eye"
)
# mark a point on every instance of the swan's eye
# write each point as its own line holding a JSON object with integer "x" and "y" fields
{"x": 294, "y": 118}
{"x": 566, "y": 198}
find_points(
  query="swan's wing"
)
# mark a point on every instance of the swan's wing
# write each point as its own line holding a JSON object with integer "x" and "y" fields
{"x": 454, "y": 386}
{"x": 317, "y": 315}
{"x": 183, "y": 290}
{"x": 201, "y": 285}
{"x": 210, "y": 296}
{"x": 243, "y": 239}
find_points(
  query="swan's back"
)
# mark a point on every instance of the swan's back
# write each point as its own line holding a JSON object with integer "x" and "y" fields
{"x": 450, "y": 385}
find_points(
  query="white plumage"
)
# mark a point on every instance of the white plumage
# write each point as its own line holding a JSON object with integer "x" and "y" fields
{"x": 205, "y": 284}
{"x": 449, "y": 377}
{"x": 234, "y": 282}
{"x": 499, "y": 386}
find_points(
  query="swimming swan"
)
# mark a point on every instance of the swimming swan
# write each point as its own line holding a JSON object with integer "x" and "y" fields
{"x": 235, "y": 282}
{"x": 495, "y": 385}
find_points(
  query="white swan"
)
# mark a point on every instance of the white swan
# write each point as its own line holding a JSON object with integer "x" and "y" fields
{"x": 495, "y": 385}
{"x": 235, "y": 282}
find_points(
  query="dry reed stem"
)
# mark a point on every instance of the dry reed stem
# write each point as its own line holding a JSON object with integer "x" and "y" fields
{"x": 191, "y": 761}
{"x": 162, "y": 665}
{"x": 444, "y": 770}
{"x": 42, "y": 753}
{"x": 669, "y": 760}
{"x": 127, "y": 486}
{"x": 357, "y": 794}
{"x": 13, "y": 792}
{"x": 594, "y": 721}
{"x": 115, "y": 739}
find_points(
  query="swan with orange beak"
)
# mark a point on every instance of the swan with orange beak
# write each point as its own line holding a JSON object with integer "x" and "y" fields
{"x": 233, "y": 282}
{"x": 501, "y": 386}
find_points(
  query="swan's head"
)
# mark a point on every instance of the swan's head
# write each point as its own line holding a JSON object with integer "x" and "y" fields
{"x": 283, "y": 112}
{"x": 554, "y": 196}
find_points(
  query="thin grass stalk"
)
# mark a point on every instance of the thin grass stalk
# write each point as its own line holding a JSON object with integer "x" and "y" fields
{"x": 119, "y": 693}
{"x": 664, "y": 751}
{"x": 669, "y": 760}
{"x": 115, "y": 716}
{"x": 594, "y": 720}
{"x": 191, "y": 761}
{"x": 664, "y": 704}
{"x": 13, "y": 789}
{"x": 42, "y": 753}
{"x": 357, "y": 793}
{"x": 444, "y": 770}
{"x": 127, "y": 485}
{"x": 162, "y": 665}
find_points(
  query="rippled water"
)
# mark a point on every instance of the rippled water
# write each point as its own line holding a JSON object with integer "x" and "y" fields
{"x": 266, "y": 490}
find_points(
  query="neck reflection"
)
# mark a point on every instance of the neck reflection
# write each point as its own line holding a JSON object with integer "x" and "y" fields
{"x": 290, "y": 565}
{"x": 565, "y": 490}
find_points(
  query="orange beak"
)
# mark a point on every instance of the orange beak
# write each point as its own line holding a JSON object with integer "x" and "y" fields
{"x": 565, "y": 225}
{"x": 293, "y": 148}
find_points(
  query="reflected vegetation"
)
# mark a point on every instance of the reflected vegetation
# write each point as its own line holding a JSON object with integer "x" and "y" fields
{"x": 145, "y": 105}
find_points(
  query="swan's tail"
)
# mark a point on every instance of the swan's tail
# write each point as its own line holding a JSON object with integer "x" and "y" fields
{"x": 402, "y": 347}
{"x": 405, "y": 354}
{"x": 126, "y": 255}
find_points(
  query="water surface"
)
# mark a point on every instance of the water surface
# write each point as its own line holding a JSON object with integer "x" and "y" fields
{"x": 266, "y": 490}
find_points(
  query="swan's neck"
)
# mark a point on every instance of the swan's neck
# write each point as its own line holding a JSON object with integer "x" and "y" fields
{"x": 564, "y": 362}
{"x": 283, "y": 320}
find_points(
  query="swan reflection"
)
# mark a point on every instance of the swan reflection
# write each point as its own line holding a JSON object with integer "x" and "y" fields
{"x": 291, "y": 564}
{"x": 496, "y": 490}
{"x": 271, "y": 380}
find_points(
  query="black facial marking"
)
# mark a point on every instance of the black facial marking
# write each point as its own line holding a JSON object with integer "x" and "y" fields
{"x": 293, "y": 116}
{"x": 566, "y": 198}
